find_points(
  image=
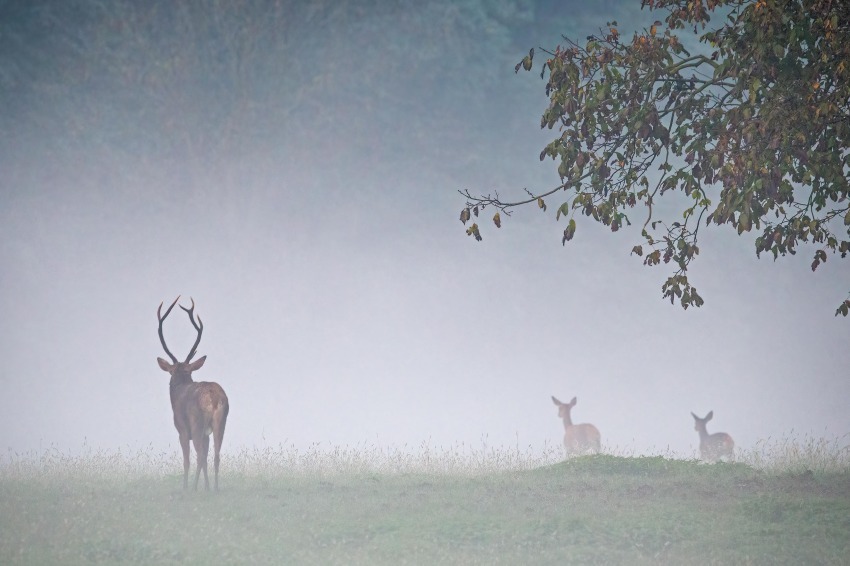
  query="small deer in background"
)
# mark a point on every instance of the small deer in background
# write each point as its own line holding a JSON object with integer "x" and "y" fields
{"x": 580, "y": 438}
{"x": 200, "y": 408}
{"x": 713, "y": 447}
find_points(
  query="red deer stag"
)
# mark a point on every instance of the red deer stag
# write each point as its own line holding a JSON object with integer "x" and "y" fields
{"x": 713, "y": 447}
{"x": 200, "y": 408}
{"x": 580, "y": 438}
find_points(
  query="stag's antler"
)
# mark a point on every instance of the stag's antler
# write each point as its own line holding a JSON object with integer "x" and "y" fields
{"x": 198, "y": 329}
{"x": 161, "y": 319}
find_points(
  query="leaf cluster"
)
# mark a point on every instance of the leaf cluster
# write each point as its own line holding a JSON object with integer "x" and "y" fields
{"x": 750, "y": 131}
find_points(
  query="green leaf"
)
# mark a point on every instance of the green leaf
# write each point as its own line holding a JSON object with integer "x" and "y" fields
{"x": 743, "y": 223}
{"x": 563, "y": 209}
{"x": 541, "y": 204}
{"x": 563, "y": 169}
{"x": 569, "y": 231}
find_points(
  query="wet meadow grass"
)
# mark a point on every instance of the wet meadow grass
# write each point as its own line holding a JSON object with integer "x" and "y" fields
{"x": 785, "y": 502}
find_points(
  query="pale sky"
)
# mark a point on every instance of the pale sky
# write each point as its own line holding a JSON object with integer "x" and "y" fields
{"x": 303, "y": 190}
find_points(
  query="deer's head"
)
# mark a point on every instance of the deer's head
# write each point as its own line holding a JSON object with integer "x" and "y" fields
{"x": 564, "y": 408}
{"x": 181, "y": 372}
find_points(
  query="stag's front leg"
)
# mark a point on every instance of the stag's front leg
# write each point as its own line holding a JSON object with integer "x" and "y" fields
{"x": 184, "y": 444}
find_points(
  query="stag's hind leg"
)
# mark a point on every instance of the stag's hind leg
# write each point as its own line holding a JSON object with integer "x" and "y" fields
{"x": 216, "y": 459}
{"x": 218, "y": 437}
{"x": 202, "y": 448}
{"x": 184, "y": 444}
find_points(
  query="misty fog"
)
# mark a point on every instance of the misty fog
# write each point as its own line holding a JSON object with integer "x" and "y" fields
{"x": 294, "y": 169}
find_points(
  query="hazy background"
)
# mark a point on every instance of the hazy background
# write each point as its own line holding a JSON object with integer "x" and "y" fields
{"x": 294, "y": 167}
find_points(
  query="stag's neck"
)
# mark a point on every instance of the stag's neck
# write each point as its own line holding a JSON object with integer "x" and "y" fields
{"x": 176, "y": 387}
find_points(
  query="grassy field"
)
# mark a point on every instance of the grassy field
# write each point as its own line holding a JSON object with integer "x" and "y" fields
{"x": 370, "y": 506}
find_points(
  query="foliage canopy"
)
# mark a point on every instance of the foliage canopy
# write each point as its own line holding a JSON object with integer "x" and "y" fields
{"x": 751, "y": 131}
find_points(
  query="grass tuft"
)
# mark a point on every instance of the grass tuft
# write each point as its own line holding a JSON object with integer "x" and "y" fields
{"x": 797, "y": 455}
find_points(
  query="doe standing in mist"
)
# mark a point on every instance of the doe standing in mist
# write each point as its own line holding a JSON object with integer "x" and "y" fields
{"x": 713, "y": 447}
{"x": 200, "y": 408}
{"x": 580, "y": 438}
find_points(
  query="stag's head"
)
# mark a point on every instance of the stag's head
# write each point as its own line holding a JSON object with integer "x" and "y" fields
{"x": 181, "y": 372}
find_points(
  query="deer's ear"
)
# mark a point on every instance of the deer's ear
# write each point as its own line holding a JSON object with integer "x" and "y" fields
{"x": 709, "y": 416}
{"x": 694, "y": 416}
{"x": 558, "y": 403}
{"x": 573, "y": 402}
{"x": 197, "y": 364}
{"x": 164, "y": 365}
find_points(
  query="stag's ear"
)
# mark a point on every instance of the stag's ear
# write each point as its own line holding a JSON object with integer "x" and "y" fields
{"x": 164, "y": 365}
{"x": 197, "y": 364}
